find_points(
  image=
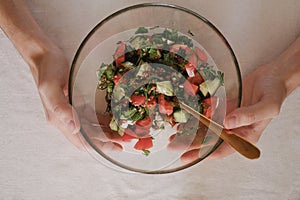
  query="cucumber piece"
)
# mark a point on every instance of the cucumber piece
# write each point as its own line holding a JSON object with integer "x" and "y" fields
{"x": 165, "y": 87}
{"x": 118, "y": 93}
{"x": 210, "y": 87}
{"x": 113, "y": 125}
{"x": 181, "y": 116}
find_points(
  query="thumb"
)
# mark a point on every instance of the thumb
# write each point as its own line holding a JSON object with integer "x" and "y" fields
{"x": 58, "y": 110}
{"x": 244, "y": 116}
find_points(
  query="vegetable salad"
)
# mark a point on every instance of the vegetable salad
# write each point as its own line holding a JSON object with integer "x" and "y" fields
{"x": 150, "y": 73}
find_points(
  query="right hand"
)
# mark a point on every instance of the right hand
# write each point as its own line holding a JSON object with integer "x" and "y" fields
{"x": 263, "y": 94}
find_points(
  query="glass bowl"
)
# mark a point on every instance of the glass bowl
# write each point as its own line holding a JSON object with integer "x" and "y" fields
{"x": 173, "y": 141}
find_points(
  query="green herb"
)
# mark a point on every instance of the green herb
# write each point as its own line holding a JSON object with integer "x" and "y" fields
{"x": 141, "y": 30}
{"x": 165, "y": 87}
{"x": 146, "y": 152}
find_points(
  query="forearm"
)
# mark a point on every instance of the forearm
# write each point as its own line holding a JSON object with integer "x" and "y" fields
{"x": 28, "y": 38}
{"x": 287, "y": 66}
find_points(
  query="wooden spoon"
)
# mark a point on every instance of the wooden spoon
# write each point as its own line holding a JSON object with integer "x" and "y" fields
{"x": 240, "y": 144}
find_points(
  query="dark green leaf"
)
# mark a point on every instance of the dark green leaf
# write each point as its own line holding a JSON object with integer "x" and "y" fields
{"x": 141, "y": 30}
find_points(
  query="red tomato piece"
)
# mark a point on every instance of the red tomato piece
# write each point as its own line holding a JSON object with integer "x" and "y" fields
{"x": 151, "y": 103}
{"x": 190, "y": 69}
{"x": 144, "y": 123}
{"x": 142, "y": 132}
{"x": 176, "y": 47}
{"x": 209, "y": 106}
{"x": 127, "y": 136}
{"x": 191, "y": 65}
{"x": 119, "y": 60}
{"x": 164, "y": 106}
{"x": 197, "y": 79}
{"x": 119, "y": 55}
{"x": 201, "y": 54}
{"x": 143, "y": 143}
{"x": 117, "y": 78}
{"x": 193, "y": 60}
{"x": 190, "y": 88}
{"x": 138, "y": 100}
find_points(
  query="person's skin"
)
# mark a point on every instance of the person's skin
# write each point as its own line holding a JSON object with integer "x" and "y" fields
{"x": 264, "y": 91}
{"x": 263, "y": 94}
{"x": 48, "y": 65}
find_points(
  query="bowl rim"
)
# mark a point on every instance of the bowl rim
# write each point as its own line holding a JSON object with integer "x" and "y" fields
{"x": 136, "y": 6}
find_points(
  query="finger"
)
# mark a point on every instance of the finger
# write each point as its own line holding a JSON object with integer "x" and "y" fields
{"x": 190, "y": 156}
{"x": 76, "y": 139}
{"x": 107, "y": 146}
{"x": 193, "y": 155}
{"x": 222, "y": 151}
{"x": 57, "y": 107}
{"x": 68, "y": 116}
{"x": 180, "y": 142}
{"x": 244, "y": 116}
{"x": 251, "y": 133}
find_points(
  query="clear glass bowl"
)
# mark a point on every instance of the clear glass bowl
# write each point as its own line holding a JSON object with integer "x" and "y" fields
{"x": 184, "y": 150}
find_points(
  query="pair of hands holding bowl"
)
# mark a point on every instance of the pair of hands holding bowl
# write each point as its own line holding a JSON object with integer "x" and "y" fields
{"x": 264, "y": 89}
{"x": 265, "y": 93}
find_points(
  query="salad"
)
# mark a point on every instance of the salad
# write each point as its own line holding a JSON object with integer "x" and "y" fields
{"x": 150, "y": 73}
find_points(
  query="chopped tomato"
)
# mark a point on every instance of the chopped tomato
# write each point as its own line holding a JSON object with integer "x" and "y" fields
{"x": 119, "y": 55}
{"x": 190, "y": 69}
{"x": 151, "y": 103}
{"x": 201, "y": 54}
{"x": 209, "y": 106}
{"x": 190, "y": 88}
{"x": 176, "y": 47}
{"x": 119, "y": 60}
{"x": 143, "y": 143}
{"x": 142, "y": 132}
{"x": 127, "y": 137}
{"x": 191, "y": 65}
{"x": 117, "y": 78}
{"x": 144, "y": 123}
{"x": 138, "y": 100}
{"x": 164, "y": 106}
{"x": 193, "y": 60}
{"x": 197, "y": 79}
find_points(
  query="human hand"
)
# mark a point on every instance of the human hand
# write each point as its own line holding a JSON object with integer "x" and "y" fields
{"x": 263, "y": 94}
{"x": 48, "y": 65}
{"x": 51, "y": 74}
{"x": 264, "y": 91}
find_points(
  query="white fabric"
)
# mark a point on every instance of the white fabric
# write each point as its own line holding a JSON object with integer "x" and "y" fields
{"x": 37, "y": 162}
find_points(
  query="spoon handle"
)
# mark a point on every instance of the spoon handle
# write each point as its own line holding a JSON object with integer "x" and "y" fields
{"x": 240, "y": 144}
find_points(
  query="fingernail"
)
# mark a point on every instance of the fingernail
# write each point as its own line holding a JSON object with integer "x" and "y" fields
{"x": 71, "y": 126}
{"x": 230, "y": 123}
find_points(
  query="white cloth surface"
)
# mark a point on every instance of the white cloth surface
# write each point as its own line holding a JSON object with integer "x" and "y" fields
{"x": 37, "y": 162}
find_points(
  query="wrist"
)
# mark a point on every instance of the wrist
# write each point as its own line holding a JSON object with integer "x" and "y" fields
{"x": 24, "y": 32}
{"x": 287, "y": 69}
{"x": 33, "y": 50}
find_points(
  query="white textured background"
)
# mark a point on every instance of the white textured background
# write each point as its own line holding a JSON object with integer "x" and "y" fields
{"x": 36, "y": 161}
